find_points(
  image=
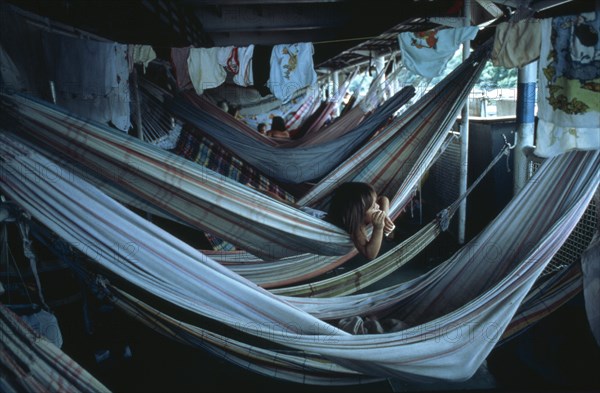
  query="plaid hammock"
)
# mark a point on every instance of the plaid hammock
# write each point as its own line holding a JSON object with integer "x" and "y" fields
{"x": 203, "y": 151}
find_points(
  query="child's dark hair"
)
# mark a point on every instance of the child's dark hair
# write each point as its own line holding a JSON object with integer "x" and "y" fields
{"x": 278, "y": 124}
{"x": 349, "y": 204}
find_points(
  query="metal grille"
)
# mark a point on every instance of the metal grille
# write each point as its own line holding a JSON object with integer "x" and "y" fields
{"x": 579, "y": 239}
{"x": 444, "y": 176}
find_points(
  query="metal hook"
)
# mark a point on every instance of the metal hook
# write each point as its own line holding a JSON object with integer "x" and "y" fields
{"x": 510, "y": 147}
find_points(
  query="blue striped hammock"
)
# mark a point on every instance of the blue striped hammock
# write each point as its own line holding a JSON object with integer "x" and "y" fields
{"x": 288, "y": 165}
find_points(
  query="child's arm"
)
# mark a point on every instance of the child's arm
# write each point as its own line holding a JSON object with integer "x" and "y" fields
{"x": 370, "y": 248}
{"x": 384, "y": 205}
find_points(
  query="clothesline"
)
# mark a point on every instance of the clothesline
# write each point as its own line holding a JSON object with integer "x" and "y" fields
{"x": 313, "y": 42}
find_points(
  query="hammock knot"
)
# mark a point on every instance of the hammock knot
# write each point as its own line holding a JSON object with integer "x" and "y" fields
{"x": 506, "y": 151}
{"x": 443, "y": 218}
{"x": 100, "y": 288}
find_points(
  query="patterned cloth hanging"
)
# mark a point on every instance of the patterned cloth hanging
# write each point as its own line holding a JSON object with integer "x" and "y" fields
{"x": 91, "y": 78}
{"x": 291, "y": 69}
{"x": 427, "y": 52}
{"x": 569, "y": 85}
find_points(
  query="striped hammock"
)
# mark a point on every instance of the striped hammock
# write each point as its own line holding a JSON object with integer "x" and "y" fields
{"x": 455, "y": 313}
{"x": 138, "y": 173}
{"x": 306, "y": 368}
{"x": 340, "y": 126}
{"x": 295, "y": 119}
{"x": 313, "y": 132}
{"x": 545, "y": 298}
{"x": 288, "y": 165}
{"x": 314, "y": 121}
{"x": 31, "y": 363}
{"x": 391, "y": 159}
{"x": 425, "y": 125}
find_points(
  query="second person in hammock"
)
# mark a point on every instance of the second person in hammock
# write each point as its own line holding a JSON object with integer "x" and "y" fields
{"x": 354, "y": 206}
{"x": 278, "y": 128}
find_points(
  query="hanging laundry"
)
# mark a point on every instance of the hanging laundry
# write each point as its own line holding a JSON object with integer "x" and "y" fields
{"x": 143, "y": 54}
{"x": 179, "y": 61}
{"x": 516, "y": 43}
{"x": 91, "y": 78}
{"x": 427, "y": 52}
{"x": 232, "y": 63}
{"x": 292, "y": 69}
{"x": 227, "y": 57}
{"x": 244, "y": 76}
{"x": 205, "y": 66}
{"x": 261, "y": 60}
{"x": 569, "y": 85}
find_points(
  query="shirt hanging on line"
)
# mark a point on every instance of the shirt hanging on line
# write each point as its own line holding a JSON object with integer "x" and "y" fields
{"x": 292, "y": 69}
{"x": 427, "y": 52}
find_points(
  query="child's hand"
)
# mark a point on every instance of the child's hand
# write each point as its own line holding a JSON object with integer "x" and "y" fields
{"x": 388, "y": 225}
{"x": 378, "y": 219}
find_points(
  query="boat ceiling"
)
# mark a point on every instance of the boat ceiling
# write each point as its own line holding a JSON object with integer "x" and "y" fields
{"x": 344, "y": 32}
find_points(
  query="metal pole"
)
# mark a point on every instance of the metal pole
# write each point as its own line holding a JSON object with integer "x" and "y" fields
{"x": 464, "y": 142}
{"x": 138, "y": 106}
{"x": 138, "y": 116}
{"x": 52, "y": 92}
{"x": 525, "y": 123}
{"x": 336, "y": 86}
{"x": 379, "y": 63}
